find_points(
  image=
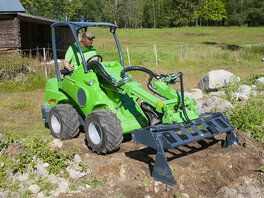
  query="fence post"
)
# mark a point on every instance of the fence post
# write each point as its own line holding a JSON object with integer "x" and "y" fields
{"x": 186, "y": 49}
{"x": 181, "y": 51}
{"x": 128, "y": 57}
{"x": 156, "y": 54}
{"x": 45, "y": 65}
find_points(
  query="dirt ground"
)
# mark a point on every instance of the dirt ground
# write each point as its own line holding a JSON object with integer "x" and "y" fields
{"x": 201, "y": 169}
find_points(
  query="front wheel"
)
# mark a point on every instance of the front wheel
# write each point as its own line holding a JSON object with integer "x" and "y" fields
{"x": 103, "y": 131}
{"x": 64, "y": 122}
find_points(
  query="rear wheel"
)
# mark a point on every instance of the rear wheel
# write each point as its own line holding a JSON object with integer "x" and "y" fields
{"x": 64, "y": 122}
{"x": 103, "y": 131}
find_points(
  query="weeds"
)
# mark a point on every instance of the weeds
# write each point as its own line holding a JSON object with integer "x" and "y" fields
{"x": 34, "y": 148}
{"x": 230, "y": 89}
{"x": 176, "y": 195}
{"x": 73, "y": 187}
{"x": 95, "y": 182}
{"x": 249, "y": 117}
{"x": 121, "y": 196}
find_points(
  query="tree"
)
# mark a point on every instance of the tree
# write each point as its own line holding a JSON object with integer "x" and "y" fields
{"x": 112, "y": 11}
{"x": 212, "y": 10}
{"x": 255, "y": 12}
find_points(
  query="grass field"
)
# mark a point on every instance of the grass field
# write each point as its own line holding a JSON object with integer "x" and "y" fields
{"x": 208, "y": 48}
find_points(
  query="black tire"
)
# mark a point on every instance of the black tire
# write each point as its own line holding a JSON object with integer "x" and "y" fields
{"x": 64, "y": 122}
{"x": 103, "y": 131}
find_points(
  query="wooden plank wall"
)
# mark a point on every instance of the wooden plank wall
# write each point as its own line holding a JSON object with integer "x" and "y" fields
{"x": 25, "y": 36}
{"x": 9, "y": 33}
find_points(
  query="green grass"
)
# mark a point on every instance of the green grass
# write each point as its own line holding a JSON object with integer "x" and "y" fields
{"x": 209, "y": 48}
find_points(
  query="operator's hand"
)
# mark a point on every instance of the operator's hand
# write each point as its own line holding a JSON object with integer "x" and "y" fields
{"x": 68, "y": 66}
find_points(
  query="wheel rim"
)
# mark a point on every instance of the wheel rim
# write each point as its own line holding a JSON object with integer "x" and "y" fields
{"x": 95, "y": 133}
{"x": 55, "y": 124}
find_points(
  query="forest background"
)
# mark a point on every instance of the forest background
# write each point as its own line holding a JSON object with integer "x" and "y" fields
{"x": 152, "y": 13}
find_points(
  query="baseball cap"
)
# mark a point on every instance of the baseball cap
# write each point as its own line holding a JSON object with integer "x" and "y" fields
{"x": 89, "y": 35}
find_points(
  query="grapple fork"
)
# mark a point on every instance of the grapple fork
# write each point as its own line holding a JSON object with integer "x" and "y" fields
{"x": 160, "y": 137}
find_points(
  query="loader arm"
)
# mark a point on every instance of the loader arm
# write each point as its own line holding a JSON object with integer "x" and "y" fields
{"x": 180, "y": 125}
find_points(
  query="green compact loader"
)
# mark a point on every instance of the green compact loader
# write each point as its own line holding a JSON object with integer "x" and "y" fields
{"x": 103, "y": 98}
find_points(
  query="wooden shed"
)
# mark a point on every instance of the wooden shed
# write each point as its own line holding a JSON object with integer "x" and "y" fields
{"x": 23, "y": 33}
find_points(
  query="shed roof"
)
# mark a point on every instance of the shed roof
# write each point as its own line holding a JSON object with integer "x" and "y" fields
{"x": 35, "y": 19}
{"x": 11, "y": 6}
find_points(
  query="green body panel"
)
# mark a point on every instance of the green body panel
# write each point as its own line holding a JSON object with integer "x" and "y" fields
{"x": 53, "y": 95}
{"x": 97, "y": 93}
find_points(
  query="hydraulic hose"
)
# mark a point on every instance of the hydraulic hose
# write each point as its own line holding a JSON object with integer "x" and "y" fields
{"x": 182, "y": 99}
{"x": 151, "y": 74}
{"x": 96, "y": 64}
{"x": 138, "y": 68}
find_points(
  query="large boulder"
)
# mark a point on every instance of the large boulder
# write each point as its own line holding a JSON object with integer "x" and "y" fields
{"x": 215, "y": 79}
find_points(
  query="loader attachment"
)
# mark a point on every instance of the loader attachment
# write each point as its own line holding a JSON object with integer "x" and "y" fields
{"x": 160, "y": 137}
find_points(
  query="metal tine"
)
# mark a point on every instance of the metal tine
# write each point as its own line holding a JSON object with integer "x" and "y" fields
{"x": 186, "y": 132}
{"x": 216, "y": 124}
{"x": 196, "y": 129}
{"x": 175, "y": 136}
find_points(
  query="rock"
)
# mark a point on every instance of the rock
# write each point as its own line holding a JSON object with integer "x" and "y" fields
{"x": 87, "y": 186}
{"x": 244, "y": 192}
{"x": 2, "y": 164}
{"x": 216, "y": 93}
{"x": 62, "y": 188}
{"x": 215, "y": 79}
{"x": 122, "y": 172}
{"x": 156, "y": 189}
{"x": 241, "y": 97}
{"x": 41, "y": 170}
{"x": 45, "y": 165}
{"x": 23, "y": 177}
{"x": 260, "y": 81}
{"x": 41, "y": 195}
{"x": 21, "y": 77}
{"x": 15, "y": 195}
{"x": 194, "y": 93}
{"x": 244, "y": 93}
{"x": 227, "y": 193}
{"x": 245, "y": 89}
{"x": 4, "y": 194}
{"x": 34, "y": 188}
{"x": 76, "y": 174}
{"x": 212, "y": 104}
{"x": 77, "y": 158}
{"x": 52, "y": 178}
{"x": 5, "y": 74}
{"x": 184, "y": 195}
{"x": 56, "y": 144}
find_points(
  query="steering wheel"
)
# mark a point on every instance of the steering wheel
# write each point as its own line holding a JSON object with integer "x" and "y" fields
{"x": 98, "y": 57}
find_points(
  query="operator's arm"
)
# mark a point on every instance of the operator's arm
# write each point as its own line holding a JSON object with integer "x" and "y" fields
{"x": 68, "y": 57}
{"x": 67, "y": 65}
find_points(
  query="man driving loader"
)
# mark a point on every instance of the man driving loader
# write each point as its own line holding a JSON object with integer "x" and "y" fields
{"x": 73, "y": 58}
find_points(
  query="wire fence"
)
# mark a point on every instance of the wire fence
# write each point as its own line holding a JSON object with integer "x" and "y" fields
{"x": 45, "y": 55}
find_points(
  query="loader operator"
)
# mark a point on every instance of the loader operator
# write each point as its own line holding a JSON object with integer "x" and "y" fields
{"x": 73, "y": 58}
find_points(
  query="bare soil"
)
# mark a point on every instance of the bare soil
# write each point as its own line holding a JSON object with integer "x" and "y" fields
{"x": 201, "y": 169}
